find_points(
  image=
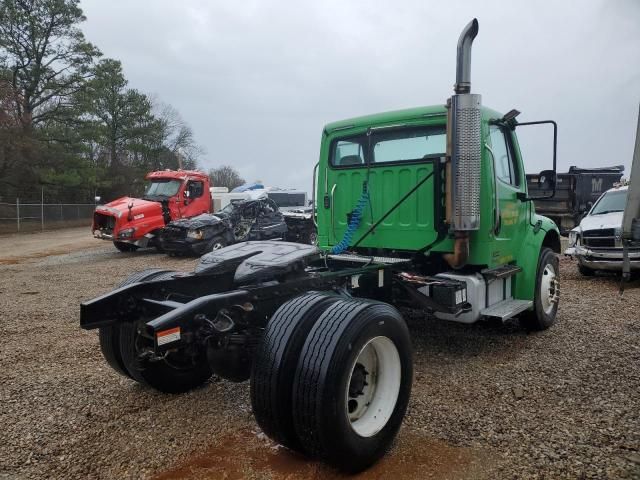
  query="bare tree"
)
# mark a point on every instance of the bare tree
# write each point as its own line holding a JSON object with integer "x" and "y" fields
{"x": 225, "y": 176}
{"x": 176, "y": 135}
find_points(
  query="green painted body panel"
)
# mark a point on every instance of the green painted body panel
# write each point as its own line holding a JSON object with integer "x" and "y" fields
{"x": 412, "y": 225}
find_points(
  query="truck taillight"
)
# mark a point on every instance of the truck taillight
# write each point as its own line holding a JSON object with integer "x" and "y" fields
{"x": 466, "y": 151}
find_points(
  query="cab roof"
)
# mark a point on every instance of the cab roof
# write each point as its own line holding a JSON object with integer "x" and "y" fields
{"x": 396, "y": 116}
{"x": 177, "y": 174}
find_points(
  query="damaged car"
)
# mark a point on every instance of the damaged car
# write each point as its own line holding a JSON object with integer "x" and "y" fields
{"x": 239, "y": 221}
{"x": 300, "y": 225}
{"x": 597, "y": 242}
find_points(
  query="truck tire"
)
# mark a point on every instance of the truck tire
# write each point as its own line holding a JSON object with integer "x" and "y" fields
{"x": 125, "y": 247}
{"x": 177, "y": 373}
{"x": 586, "y": 271}
{"x": 546, "y": 299}
{"x": 109, "y": 337}
{"x": 352, "y": 383}
{"x": 276, "y": 360}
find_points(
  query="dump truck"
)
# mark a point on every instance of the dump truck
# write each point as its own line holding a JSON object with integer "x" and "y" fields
{"x": 576, "y": 192}
{"x": 131, "y": 223}
{"x": 411, "y": 214}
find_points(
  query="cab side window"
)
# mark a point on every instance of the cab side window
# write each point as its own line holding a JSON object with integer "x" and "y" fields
{"x": 195, "y": 189}
{"x": 506, "y": 170}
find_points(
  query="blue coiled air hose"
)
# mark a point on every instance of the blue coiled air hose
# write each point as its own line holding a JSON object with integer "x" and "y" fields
{"x": 354, "y": 223}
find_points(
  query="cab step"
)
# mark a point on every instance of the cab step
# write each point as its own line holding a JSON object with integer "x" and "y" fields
{"x": 506, "y": 308}
{"x": 503, "y": 271}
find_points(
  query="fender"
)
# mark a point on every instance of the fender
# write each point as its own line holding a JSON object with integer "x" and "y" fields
{"x": 542, "y": 233}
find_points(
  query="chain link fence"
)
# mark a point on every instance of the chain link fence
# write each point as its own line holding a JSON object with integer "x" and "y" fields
{"x": 33, "y": 216}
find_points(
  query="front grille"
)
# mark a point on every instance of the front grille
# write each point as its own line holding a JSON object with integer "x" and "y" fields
{"x": 605, "y": 232}
{"x": 173, "y": 233}
{"x": 104, "y": 223}
{"x": 602, "y": 238}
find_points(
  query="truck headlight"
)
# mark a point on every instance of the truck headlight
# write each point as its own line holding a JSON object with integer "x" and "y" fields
{"x": 126, "y": 233}
{"x": 573, "y": 238}
{"x": 196, "y": 234}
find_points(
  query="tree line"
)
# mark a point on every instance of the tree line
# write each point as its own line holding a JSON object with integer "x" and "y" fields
{"x": 69, "y": 121}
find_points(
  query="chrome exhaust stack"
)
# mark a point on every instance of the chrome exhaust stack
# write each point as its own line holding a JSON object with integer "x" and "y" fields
{"x": 463, "y": 60}
{"x": 463, "y": 151}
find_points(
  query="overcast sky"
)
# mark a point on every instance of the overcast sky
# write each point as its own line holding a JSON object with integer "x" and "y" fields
{"x": 258, "y": 80}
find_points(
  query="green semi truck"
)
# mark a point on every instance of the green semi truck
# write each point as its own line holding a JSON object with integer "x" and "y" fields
{"x": 424, "y": 209}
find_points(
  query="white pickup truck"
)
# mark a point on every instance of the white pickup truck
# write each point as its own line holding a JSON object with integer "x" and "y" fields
{"x": 597, "y": 242}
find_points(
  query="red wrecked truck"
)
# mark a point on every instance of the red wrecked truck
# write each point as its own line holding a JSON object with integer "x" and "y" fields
{"x": 131, "y": 223}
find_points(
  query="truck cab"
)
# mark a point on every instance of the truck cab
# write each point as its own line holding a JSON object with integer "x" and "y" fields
{"x": 169, "y": 195}
{"x": 393, "y": 170}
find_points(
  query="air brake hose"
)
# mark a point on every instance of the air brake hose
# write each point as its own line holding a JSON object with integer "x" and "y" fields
{"x": 354, "y": 223}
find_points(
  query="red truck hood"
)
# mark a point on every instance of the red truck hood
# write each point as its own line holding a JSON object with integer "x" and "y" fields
{"x": 120, "y": 208}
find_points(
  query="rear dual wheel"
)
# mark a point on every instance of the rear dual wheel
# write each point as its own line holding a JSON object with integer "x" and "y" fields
{"x": 123, "y": 347}
{"x": 109, "y": 337}
{"x": 177, "y": 372}
{"x": 348, "y": 394}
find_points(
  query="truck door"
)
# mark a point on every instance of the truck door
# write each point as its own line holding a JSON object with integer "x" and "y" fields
{"x": 510, "y": 216}
{"x": 194, "y": 201}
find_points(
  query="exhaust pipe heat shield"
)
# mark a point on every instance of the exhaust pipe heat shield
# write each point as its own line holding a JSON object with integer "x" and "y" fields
{"x": 466, "y": 152}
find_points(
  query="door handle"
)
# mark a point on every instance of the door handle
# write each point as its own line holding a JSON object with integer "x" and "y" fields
{"x": 313, "y": 195}
{"x": 333, "y": 226}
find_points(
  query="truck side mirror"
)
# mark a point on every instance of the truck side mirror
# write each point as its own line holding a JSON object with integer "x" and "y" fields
{"x": 547, "y": 179}
{"x": 187, "y": 194}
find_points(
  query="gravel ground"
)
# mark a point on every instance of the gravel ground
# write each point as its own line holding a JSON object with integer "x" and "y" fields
{"x": 488, "y": 401}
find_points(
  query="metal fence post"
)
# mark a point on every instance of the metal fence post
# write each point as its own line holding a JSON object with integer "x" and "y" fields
{"x": 42, "y": 208}
{"x": 18, "y": 212}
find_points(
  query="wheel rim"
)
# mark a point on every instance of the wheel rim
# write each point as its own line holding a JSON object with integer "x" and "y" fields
{"x": 217, "y": 246}
{"x": 313, "y": 238}
{"x": 373, "y": 387}
{"x": 549, "y": 288}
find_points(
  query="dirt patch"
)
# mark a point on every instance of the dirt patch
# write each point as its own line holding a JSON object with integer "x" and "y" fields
{"x": 24, "y": 247}
{"x": 250, "y": 454}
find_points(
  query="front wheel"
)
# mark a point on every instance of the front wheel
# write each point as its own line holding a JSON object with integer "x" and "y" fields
{"x": 547, "y": 293}
{"x": 125, "y": 247}
{"x": 217, "y": 243}
{"x": 352, "y": 383}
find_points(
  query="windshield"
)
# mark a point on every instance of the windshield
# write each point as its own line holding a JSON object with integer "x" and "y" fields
{"x": 162, "y": 187}
{"x": 613, "y": 201}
